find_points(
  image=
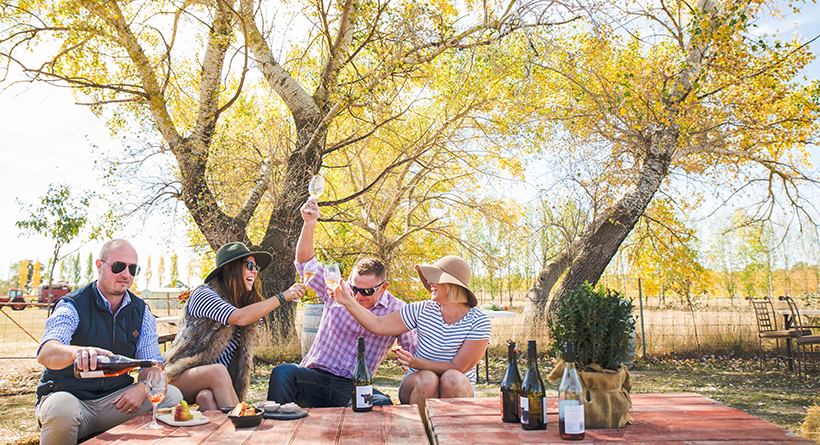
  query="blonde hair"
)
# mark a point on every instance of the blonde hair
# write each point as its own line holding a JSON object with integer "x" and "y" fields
{"x": 456, "y": 293}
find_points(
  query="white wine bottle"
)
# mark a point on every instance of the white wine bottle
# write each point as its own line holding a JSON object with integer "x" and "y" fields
{"x": 533, "y": 397}
{"x": 113, "y": 367}
{"x": 511, "y": 388}
{"x": 570, "y": 399}
{"x": 362, "y": 383}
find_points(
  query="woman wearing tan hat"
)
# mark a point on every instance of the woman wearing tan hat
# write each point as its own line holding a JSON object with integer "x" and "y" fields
{"x": 452, "y": 333}
{"x": 211, "y": 358}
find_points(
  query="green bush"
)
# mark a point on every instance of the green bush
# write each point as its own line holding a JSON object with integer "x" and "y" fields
{"x": 598, "y": 320}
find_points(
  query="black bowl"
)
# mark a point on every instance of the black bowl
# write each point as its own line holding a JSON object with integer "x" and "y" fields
{"x": 247, "y": 421}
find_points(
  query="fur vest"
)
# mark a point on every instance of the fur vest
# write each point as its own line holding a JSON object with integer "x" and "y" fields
{"x": 201, "y": 341}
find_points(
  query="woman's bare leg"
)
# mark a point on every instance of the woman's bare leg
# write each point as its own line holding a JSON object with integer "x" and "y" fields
{"x": 418, "y": 387}
{"x": 213, "y": 377}
{"x": 454, "y": 384}
{"x": 206, "y": 401}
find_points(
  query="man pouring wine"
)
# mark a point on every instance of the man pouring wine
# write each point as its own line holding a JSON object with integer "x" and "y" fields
{"x": 103, "y": 319}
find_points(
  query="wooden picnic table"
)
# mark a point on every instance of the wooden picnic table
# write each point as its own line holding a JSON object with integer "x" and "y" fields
{"x": 671, "y": 419}
{"x": 384, "y": 425}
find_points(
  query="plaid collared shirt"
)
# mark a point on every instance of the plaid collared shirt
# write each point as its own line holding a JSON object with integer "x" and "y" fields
{"x": 336, "y": 345}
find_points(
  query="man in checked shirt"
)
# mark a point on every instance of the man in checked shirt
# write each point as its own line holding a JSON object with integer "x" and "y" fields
{"x": 323, "y": 378}
{"x": 103, "y": 318}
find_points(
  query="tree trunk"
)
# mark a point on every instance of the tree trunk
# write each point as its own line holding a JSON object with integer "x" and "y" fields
{"x": 603, "y": 243}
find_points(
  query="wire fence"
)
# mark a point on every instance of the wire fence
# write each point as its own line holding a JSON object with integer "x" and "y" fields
{"x": 703, "y": 326}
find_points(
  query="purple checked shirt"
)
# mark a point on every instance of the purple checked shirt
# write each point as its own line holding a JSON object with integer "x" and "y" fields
{"x": 335, "y": 347}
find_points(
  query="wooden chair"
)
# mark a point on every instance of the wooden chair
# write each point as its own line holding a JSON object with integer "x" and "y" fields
{"x": 808, "y": 345}
{"x": 767, "y": 328}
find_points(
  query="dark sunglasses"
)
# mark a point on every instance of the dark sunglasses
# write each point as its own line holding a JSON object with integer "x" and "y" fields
{"x": 368, "y": 291}
{"x": 119, "y": 266}
{"x": 251, "y": 266}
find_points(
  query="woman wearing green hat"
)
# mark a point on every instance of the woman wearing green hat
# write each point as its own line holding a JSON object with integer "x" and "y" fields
{"x": 211, "y": 358}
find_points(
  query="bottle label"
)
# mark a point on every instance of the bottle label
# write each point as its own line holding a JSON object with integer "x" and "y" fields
{"x": 572, "y": 413}
{"x": 544, "y": 411}
{"x": 364, "y": 396}
{"x": 92, "y": 374}
{"x": 525, "y": 410}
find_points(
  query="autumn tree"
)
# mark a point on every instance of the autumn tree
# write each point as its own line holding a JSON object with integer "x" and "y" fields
{"x": 128, "y": 56}
{"x": 174, "y": 274}
{"x": 61, "y": 216}
{"x": 161, "y": 271}
{"x": 148, "y": 273}
{"x": 76, "y": 270}
{"x": 89, "y": 268}
{"x": 37, "y": 275}
{"x": 23, "y": 275}
{"x": 700, "y": 95}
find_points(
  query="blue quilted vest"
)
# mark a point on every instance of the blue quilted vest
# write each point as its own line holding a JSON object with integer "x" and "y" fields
{"x": 98, "y": 328}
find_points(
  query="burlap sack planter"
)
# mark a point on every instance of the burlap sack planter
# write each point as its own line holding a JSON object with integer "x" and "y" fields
{"x": 606, "y": 394}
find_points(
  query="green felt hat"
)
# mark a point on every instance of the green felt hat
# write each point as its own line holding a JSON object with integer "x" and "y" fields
{"x": 236, "y": 251}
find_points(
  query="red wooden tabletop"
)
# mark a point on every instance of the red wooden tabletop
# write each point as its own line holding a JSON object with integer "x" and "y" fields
{"x": 677, "y": 419}
{"x": 384, "y": 425}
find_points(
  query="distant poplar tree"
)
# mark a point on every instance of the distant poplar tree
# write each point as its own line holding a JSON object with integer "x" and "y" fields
{"x": 76, "y": 270}
{"x": 89, "y": 268}
{"x": 22, "y": 278}
{"x": 161, "y": 270}
{"x": 174, "y": 269}
{"x": 148, "y": 273}
{"x": 37, "y": 275}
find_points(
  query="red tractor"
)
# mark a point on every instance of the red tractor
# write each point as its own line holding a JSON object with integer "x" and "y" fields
{"x": 15, "y": 296}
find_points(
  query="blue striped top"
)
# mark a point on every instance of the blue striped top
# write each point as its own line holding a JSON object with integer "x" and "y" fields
{"x": 439, "y": 340}
{"x": 206, "y": 303}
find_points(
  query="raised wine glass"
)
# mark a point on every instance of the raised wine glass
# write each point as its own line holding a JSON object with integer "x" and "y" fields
{"x": 310, "y": 271}
{"x": 157, "y": 386}
{"x": 332, "y": 277}
{"x": 316, "y": 186}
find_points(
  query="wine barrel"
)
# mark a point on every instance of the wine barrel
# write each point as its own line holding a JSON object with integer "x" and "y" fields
{"x": 310, "y": 325}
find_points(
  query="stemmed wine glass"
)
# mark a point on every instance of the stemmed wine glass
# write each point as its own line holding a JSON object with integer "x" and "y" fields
{"x": 157, "y": 386}
{"x": 316, "y": 186}
{"x": 332, "y": 277}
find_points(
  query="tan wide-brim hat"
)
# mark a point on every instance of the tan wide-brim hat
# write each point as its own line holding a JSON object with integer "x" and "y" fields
{"x": 449, "y": 269}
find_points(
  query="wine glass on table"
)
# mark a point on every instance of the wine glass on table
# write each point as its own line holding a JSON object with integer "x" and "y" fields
{"x": 157, "y": 386}
{"x": 332, "y": 277}
{"x": 316, "y": 187}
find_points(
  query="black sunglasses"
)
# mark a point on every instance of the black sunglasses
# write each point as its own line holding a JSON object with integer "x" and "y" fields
{"x": 119, "y": 266}
{"x": 250, "y": 265}
{"x": 368, "y": 291}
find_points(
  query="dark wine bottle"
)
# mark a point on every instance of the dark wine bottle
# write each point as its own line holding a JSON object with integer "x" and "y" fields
{"x": 533, "y": 397}
{"x": 570, "y": 399}
{"x": 113, "y": 367}
{"x": 362, "y": 384}
{"x": 511, "y": 388}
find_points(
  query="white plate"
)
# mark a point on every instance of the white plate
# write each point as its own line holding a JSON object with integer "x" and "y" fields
{"x": 169, "y": 419}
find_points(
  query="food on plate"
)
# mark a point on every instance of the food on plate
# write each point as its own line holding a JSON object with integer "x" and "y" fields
{"x": 288, "y": 408}
{"x": 243, "y": 409}
{"x": 182, "y": 413}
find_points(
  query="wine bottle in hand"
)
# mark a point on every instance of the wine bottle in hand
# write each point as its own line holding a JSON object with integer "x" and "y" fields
{"x": 113, "y": 367}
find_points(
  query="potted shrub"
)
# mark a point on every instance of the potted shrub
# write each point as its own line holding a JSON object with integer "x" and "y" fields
{"x": 599, "y": 321}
